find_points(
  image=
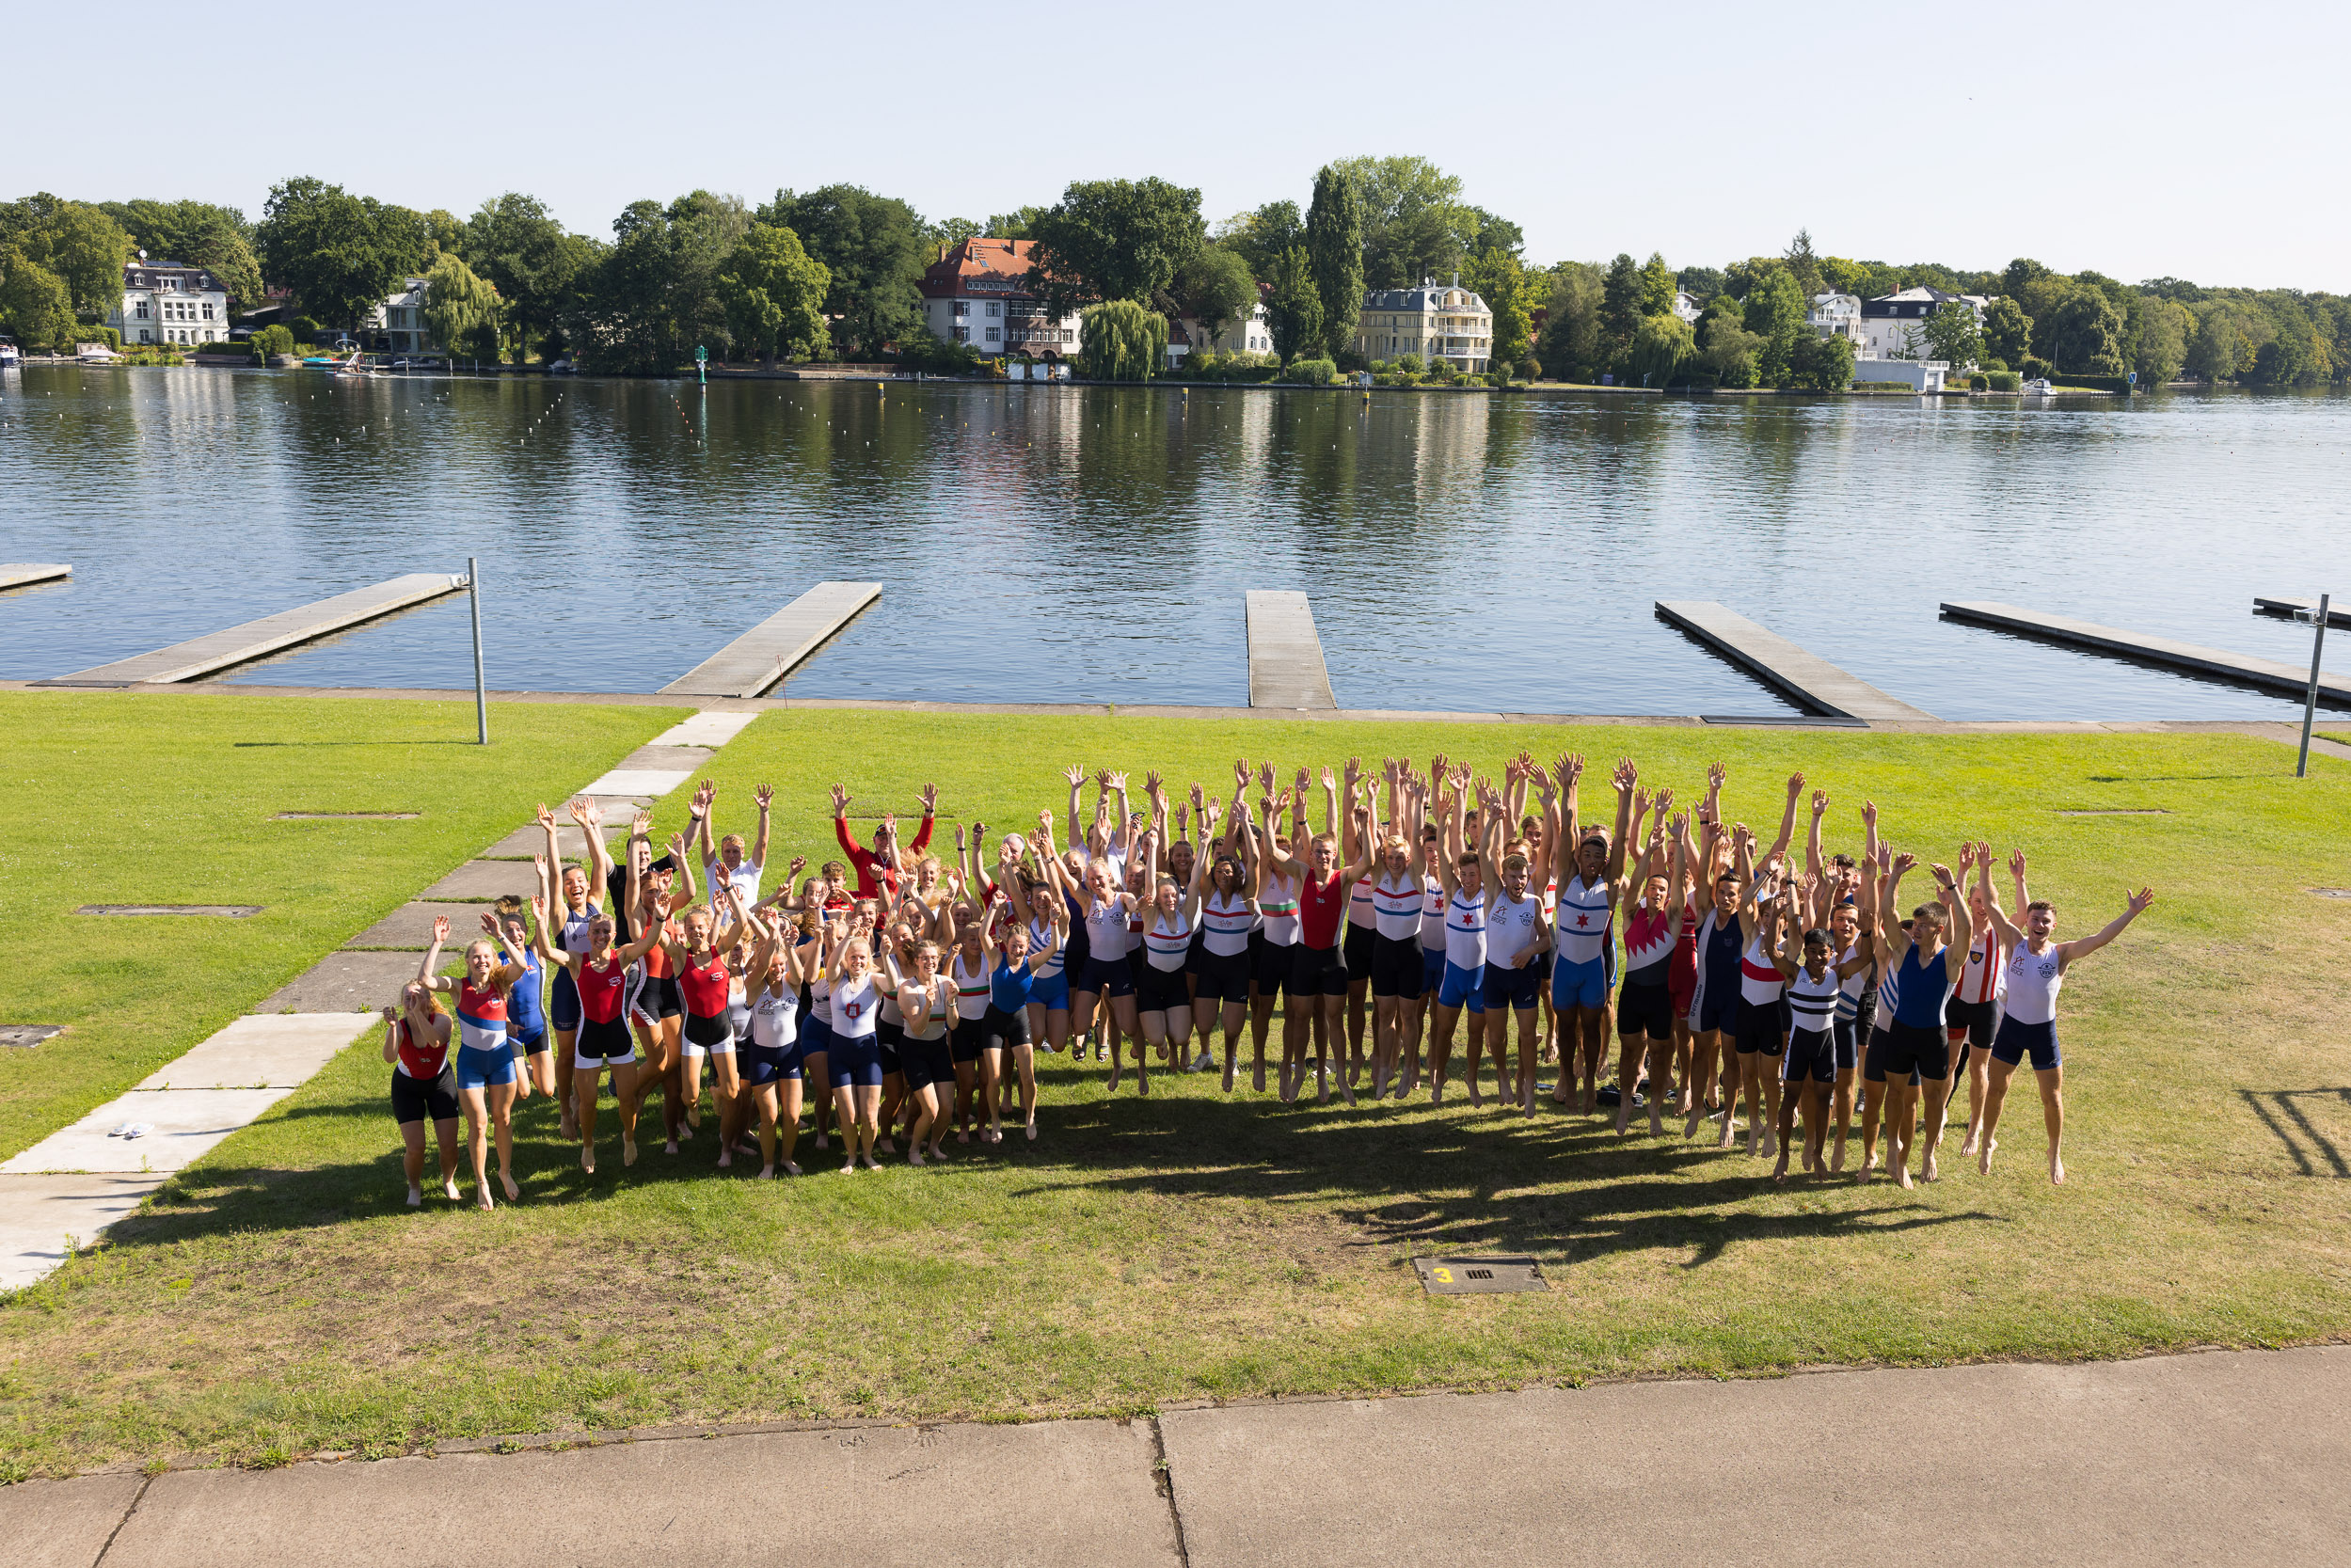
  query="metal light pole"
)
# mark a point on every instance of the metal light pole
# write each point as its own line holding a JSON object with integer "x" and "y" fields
{"x": 2310, "y": 699}
{"x": 481, "y": 692}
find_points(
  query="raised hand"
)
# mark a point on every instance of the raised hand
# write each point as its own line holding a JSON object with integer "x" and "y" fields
{"x": 1819, "y": 803}
{"x": 841, "y": 800}
{"x": 587, "y": 813}
{"x": 1265, "y": 776}
{"x": 705, "y": 793}
{"x": 763, "y": 796}
{"x": 538, "y": 863}
{"x": 2016, "y": 863}
{"x": 1330, "y": 782}
{"x": 1967, "y": 857}
{"x": 678, "y": 848}
{"x": 641, "y": 824}
{"x": 1903, "y": 862}
{"x": 1716, "y": 775}
{"x": 1641, "y": 802}
{"x": 1942, "y": 873}
{"x": 538, "y": 912}
{"x": 1305, "y": 782}
{"x": 1151, "y": 783}
{"x": 1074, "y": 774}
{"x": 800, "y": 863}
{"x": 1795, "y": 786}
{"x": 547, "y": 817}
{"x": 1102, "y": 779}
{"x": 2140, "y": 900}
{"x": 1665, "y": 798}
{"x": 490, "y": 926}
{"x": 960, "y": 845}
{"x": 1681, "y": 822}
{"x": 440, "y": 927}
{"x": 1870, "y": 813}
{"x": 930, "y": 800}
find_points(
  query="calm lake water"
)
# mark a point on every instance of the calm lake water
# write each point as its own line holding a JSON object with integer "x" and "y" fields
{"x": 1052, "y": 544}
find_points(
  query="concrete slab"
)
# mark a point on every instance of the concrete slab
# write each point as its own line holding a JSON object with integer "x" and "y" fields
{"x": 530, "y": 839}
{"x": 1286, "y": 668}
{"x": 23, "y": 573}
{"x": 760, "y": 658}
{"x": 203, "y": 655}
{"x": 409, "y": 927}
{"x": 655, "y": 758}
{"x": 1812, "y": 681}
{"x": 344, "y": 983}
{"x": 483, "y": 881}
{"x": 64, "y": 1523}
{"x": 38, "y": 1215}
{"x": 1064, "y": 1494}
{"x": 2196, "y": 1458}
{"x": 187, "y": 1124}
{"x": 2241, "y": 668}
{"x": 712, "y": 727}
{"x": 277, "y": 1050}
{"x": 639, "y": 783}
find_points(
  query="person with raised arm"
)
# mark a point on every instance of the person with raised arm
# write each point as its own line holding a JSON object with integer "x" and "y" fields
{"x": 1974, "y": 1009}
{"x": 657, "y": 891}
{"x": 1926, "y": 967}
{"x": 424, "y": 1084}
{"x": 1271, "y": 961}
{"x": 1162, "y": 1002}
{"x": 1318, "y": 969}
{"x": 963, "y": 934}
{"x": 696, "y": 946}
{"x": 1588, "y": 863}
{"x": 1462, "y": 872}
{"x": 730, "y": 861}
{"x": 574, "y": 900}
{"x": 774, "y": 1071}
{"x": 2037, "y": 966}
{"x": 1012, "y": 1004}
{"x": 486, "y": 1068}
{"x": 1762, "y": 1033}
{"x": 1805, "y": 961}
{"x": 926, "y": 1000}
{"x": 855, "y": 1063}
{"x": 1515, "y": 936}
{"x": 601, "y": 973}
{"x": 878, "y": 869}
{"x": 1108, "y": 978}
{"x": 526, "y": 1000}
{"x": 1714, "y": 1004}
{"x": 1362, "y": 931}
{"x": 1852, "y": 916}
{"x": 1644, "y": 1004}
{"x": 1396, "y": 964}
{"x": 1044, "y": 909}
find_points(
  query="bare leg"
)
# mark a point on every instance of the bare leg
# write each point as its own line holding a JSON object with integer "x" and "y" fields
{"x": 566, "y": 1042}
{"x": 1591, "y": 1025}
{"x": 1236, "y": 1019}
{"x": 628, "y": 1078}
{"x": 926, "y": 1112}
{"x": 1529, "y": 1046}
{"x": 1842, "y": 1112}
{"x": 727, "y": 1089}
{"x": 583, "y": 1088}
{"x": 1995, "y": 1096}
{"x": 790, "y": 1092}
{"x": 1024, "y": 1063}
{"x": 1630, "y": 1050}
{"x": 412, "y": 1160}
{"x": 445, "y": 1137}
{"x": 1358, "y": 993}
{"x": 477, "y": 1140}
{"x": 1938, "y": 1091}
{"x": 1441, "y": 1048}
{"x": 2053, "y": 1116}
{"x": 501, "y": 1106}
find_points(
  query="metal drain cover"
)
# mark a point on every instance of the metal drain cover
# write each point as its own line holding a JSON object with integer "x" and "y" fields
{"x": 2332, "y": 892}
{"x": 1479, "y": 1276}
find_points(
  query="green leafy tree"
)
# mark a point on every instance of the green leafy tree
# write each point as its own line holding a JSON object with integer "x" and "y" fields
{"x": 1700, "y": 283}
{"x": 2085, "y": 335}
{"x": 1018, "y": 224}
{"x": 2159, "y": 345}
{"x": 1952, "y": 336}
{"x": 651, "y": 299}
{"x": 1821, "y": 364}
{"x": 773, "y": 292}
{"x": 1293, "y": 313}
{"x": 1775, "y": 313}
{"x": 341, "y": 254}
{"x": 2007, "y": 332}
{"x": 76, "y": 244}
{"x": 1213, "y": 286}
{"x": 1261, "y": 236}
{"x": 1658, "y": 286}
{"x": 515, "y": 242}
{"x": 873, "y": 247}
{"x": 1334, "y": 248}
{"x": 2218, "y": 351}
{"x": 1415, "y": 224}
{"x": 1661, "y": 345}
{"x": 1802, "y": 263}
{"x": 1124, "y": 341}
{"x": 951, "y": 233}
{"x": 1620, "y": 309}
{"x": 200, "y": 234}
{"x": 1569, "y": 346}
{"x": 461, "y": 307}
{"x": 1491, "y": 232}
{"x": 1726, "y": 347}
{"x": 1501, "y": 281}
{"x": 1115, "y": 239}
{"x": 35, "y": 307}
{"x": 2296, "y": 356}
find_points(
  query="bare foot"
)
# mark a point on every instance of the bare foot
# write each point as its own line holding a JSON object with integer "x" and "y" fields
{"x": 872, "y": 1164}
{"x": 1901, "y": 1174}
{"x": 416, "y": 1196}
{"x": 823, "y": 1142}
{"x": 448, "y": 1189}
{"x": 1967, "y": 1145}
{"x": 884, "y": 1147}
{"x": 848, "y": 1166}
{"x": 1696, "y": 1117}
{"x": 2057, "y": 1167}
{"x": 513, "y": 1192}
{"x": 767, "y": 1173}
{"x": 1229, "y": 1077}
{"x": 481, "y": 1196}
{"x": 914, "y": 1156}
{"x": 685, "y": 1132}
{"x": 628, "y": 1151}
{"x": 1868, "y": 1165}
{"x": 669, "y": 1148}
{"x": 1256, "y": 1079}
{"x": 569, "y": 1128}
{"x": 1836, "y": 1162}
{"x": 1984, "y": 1161}
{"x": 963, "y": 1136}
{"x": 791, "y": 1169}
{"x": 693, "y": 1114}
{"x": 1032, "y": 1132}
{"x": 1771, "y": 1142}
{"x": 1779, "y": 1171}
{"x": 727, "y": 1159}
{"x": 587, "y": 1158}
{"x": 1725, "y": 1141}
{"x": 1927, "y": 1169}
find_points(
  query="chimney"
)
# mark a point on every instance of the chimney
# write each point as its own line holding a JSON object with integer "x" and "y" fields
{"x": 1456, "y": 279}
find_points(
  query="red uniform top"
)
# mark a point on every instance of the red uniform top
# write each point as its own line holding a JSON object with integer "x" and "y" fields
{"x": 420, "y": 1061}
{"x": 704, "y": 986}
{"x": 862, "y": 860}
{"x": 656, "y": 959}
{"x": 1321, "y": 907}
{"x": 1682, "y": 973}
{"x": 601, "y": 988}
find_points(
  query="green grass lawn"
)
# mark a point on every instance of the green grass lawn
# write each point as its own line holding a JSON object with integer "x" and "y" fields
{"x": 279, "y": 1298}
{"x": 170, "y": 800}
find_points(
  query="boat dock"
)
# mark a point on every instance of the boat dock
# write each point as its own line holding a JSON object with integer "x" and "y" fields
{"x": 2154, "y": 650}
{"x": 1286, "y": 668}
{"x": 2337, "y": 615}
{"x": 756, "y": 662}
{"x": 23, "y": 573}
{"x": 1804, "y": 678}
{"x": 217, "y": 651}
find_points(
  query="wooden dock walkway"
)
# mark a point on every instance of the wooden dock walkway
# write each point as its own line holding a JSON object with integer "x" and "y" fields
{"x": 1809, "y": 681}
{"x": 754, "y": 662}
{"x": 2337, "y": 614}
{"x": 1286, "y": 668}
{"x": 2289, "y": 678}
{"x": 217, "y": 651}
{"x": 23, "y": 573}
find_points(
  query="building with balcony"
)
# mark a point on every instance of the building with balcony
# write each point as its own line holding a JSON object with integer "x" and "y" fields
{"x": 1835, "y": 315}
{"x": 1250, "y": 334}
{"x": 397, "y": 325}
{"x": 979, "y": 293}
{"x": 168, "y": 302}
{"x": 1442, "y": 323}
{"x": 1892, "y": 325}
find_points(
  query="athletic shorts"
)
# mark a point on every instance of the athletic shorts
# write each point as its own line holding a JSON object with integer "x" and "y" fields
{"x": 564, "y": 1005}
{"x": 659, "y": 998}
{"x": 854, "y": 1061}
{"x": 1517, "y": 989}
{"x": 1969, "y": 1022}
{"x": 1580, "y": 984}
{"x": 1356, "y": 948}
{"x": 1432, "y": 969}
{"x": 967, "y": 1036}
{"x": 1396, "y": 967}
{"x": 1003, "y": 1030}
{"x": 419, "y": 1100}
{"x": 1050, "y": 992}
{"x": 1910, "y": 1049}
{"x": 1645, "y": 1010}
{"x": 479, "y": 1069}
{"x": 1108, "y": 977}
{"x": 1847, "y": 1033}
{"x": 1157, "y": 990}
{"x": 608, "y": 1043}
{"x": 887, "y": 1040}
{"x": 1811, "y": 1056}
{"x": 1762, "y": 1028}
{"x": 1718, "y": 1010}
{"x": 1873, "y": 1061}
{"x": 1269, "y": 965}
{"x": 926, "y": 1062}
{"x": 1318, "y": 971}
{"x": 816, "y": 1035}
{"x": 1681, "y": 991}
{"x": 766, "y": 1064}
{"x": 2016, "y": 1041}
{"x": 711, "y": 1036}
{"x": 1461, "y": 987}
{"x": 1223, "y": 978}
{"x": 1540, "y": 966}
{"x": 531, "y": 1044}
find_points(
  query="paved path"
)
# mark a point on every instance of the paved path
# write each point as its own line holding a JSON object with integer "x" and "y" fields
{"x": 2234, "y": 1457}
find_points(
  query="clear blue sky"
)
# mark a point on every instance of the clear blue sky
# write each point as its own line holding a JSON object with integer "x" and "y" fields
{"x": 2142, "y": 141}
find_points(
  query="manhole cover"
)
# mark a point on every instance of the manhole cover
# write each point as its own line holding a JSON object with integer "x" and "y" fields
{"x": 231, "y": 911}
{"x": 27, "y": 1034}
{"x": 2126, "y": 810}
{"x": 347, "y": 816}
{"x": 2332, "y": 892}
{"x": 1479, "y": 1276}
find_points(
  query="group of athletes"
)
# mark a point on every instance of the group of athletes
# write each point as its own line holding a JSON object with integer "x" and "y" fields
{"x": 1387, "y": 914}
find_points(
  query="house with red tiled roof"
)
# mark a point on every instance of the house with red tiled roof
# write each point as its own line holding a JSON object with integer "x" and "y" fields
{"x": 979, "y": 293}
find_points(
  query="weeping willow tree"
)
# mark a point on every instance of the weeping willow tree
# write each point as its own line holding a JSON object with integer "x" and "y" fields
{"x": 1123, "y": 341}
{"x": 460, "y": 306}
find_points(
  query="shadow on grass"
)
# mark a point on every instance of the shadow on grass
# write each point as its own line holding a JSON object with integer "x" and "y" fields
{"x": 2283, "y": 1113}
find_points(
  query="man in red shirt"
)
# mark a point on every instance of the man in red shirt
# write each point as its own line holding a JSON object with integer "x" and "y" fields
{"x": 880, "y": 867}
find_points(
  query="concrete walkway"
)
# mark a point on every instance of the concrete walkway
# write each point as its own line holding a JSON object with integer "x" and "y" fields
{"x": 2235, "y": 1457}
{"x": 65, "y": 1191}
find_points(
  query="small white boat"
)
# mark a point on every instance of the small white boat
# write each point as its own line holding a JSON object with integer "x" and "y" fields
{"x": 9, "y": 358}
{"x": 2037, "y": 387}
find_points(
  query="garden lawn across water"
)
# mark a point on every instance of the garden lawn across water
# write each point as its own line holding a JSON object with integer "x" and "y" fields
{"x": 278, "y": 1298}
{"x": 171, "y": 798}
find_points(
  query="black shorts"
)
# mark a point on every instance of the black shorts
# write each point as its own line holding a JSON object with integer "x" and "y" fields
{"x": 1912, "y": 1049}
{"x": 708, "y": 1031}
{"x": 1719, "y": 1009}
{"x": 417, "y": 1100}
{"x": 1811, "y": 1057}
{"x": 1969, "y": 1022}
{"x": 1157, "y": 990}
{"x": 1847, "y": 1033}
{"x": 1223, "y": 978}
{"x": 887, "y": 1040}
{"x": 1880, "y": 1050}
{"x": 1003, "y": 1030}
{"x": 659, "y": 997}
{"x": 1269, "y": 965}
{"x": 1762, "y": 1028}
{"x": 1645, "y": 1010}
{"x": 968, "y": 1035}
{"x": 1318, "y": 971}
{"x": 1196, "y": 954}
{"x": 923, "y": 1062}
{"x": 605, "y": 1038}
{"x": 1356, "y": 947}
{"x": 1396, "y": 967}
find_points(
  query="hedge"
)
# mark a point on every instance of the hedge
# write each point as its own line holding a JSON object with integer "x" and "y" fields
{"x": 2094, "y": 383}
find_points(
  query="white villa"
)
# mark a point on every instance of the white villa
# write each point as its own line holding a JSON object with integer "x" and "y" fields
{"x": 1440, "y": 322}
{"x": 1888, "y": 322}
{"x": 1835, "y": 315}
{"x": 978, "y": 292}
{"x": 167, "y": 302}
{"x": 399, "y": 321}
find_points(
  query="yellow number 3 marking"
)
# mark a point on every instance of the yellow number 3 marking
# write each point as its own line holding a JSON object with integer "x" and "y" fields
{"x": 1444, "y": 1276}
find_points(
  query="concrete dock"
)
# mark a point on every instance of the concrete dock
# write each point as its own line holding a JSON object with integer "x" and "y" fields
{"x": 1286, "y": 667}
{"x": 1807, "y": 679}
{"x": 2337, "y": 614}
{"x": 23, "y": 573}
{"x": 204, "y": 655}
{"x": 754, "y": 662}
{"x": 2290, "y": 679}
